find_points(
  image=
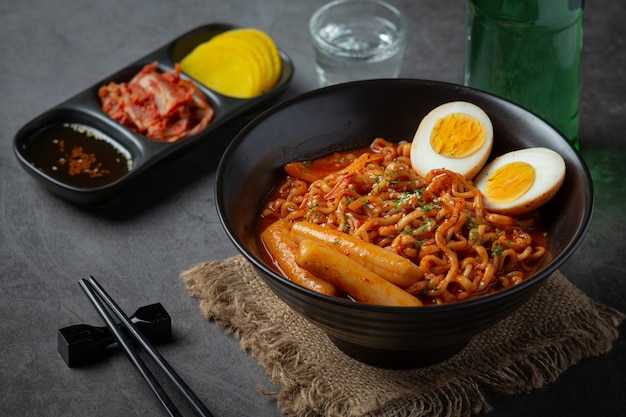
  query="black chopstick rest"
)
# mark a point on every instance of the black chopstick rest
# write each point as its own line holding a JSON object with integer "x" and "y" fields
{"x": 82, "y": 344}
{"x": 103, "y": 302}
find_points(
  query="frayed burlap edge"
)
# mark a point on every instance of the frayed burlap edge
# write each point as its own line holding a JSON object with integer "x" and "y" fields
{"x": 518, "y": 355}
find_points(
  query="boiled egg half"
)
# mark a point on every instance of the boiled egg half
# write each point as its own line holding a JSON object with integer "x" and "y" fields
{"x": 521, "y": 181}
{"x": 457, "y": 136}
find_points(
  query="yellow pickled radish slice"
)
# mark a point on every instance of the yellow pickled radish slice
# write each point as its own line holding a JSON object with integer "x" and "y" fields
{"x": 245, "y": 46}
{"x": 268, "y": 49}
{"x": 235, "y": 75}
{"x": 239, "y": 63}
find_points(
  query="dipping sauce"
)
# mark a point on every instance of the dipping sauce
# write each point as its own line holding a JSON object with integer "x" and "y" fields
{"x": 77, "y": 155}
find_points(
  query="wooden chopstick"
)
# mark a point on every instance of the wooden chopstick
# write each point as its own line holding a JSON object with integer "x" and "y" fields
{"x": 96, "y": 293}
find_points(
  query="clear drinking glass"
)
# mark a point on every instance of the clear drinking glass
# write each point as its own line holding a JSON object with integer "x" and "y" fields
{"x": 357, "y": 39}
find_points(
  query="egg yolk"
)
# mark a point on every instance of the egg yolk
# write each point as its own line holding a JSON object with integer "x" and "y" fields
{"x": 457, "y": 135}
{"x": 510, "y": 182}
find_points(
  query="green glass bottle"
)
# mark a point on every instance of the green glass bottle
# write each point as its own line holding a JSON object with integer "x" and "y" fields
{"x": 529, "y": 52}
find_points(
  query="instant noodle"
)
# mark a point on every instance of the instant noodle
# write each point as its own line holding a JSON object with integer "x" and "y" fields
{"x": 458, "y": 249}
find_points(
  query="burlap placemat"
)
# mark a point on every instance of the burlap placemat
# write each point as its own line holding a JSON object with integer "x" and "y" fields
{"x": 527, "y": 350}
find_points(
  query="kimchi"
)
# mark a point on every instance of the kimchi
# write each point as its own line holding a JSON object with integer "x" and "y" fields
{"x": 162, "y": 106}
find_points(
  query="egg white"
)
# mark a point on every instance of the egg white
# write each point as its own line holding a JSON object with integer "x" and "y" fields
{"x": 424, "y": 158}
{"x": 549, "y": 176}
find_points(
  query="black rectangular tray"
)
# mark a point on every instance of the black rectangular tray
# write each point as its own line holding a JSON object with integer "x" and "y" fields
{"x": 85, "y": 109}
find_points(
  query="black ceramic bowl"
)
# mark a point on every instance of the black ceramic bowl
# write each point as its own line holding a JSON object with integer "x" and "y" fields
{"x": 351, "y": 115}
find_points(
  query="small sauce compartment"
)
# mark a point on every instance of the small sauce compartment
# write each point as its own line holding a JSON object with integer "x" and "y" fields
{"x": 77, "y": 155}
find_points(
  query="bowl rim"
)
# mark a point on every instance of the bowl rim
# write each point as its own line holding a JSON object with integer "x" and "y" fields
{"x": 544, "y": 273}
